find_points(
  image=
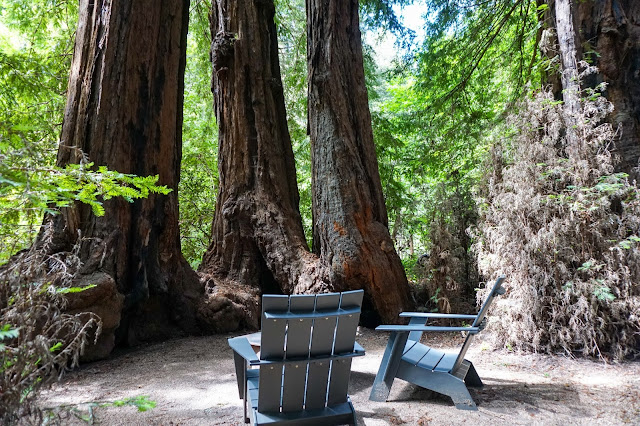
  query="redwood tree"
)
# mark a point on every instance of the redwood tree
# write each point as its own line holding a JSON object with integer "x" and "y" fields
{"x": 258, "y": 243}
{"x": 124, "y": 111}
{"x": 350, "y": 227}
{"x": 607, "y": 33}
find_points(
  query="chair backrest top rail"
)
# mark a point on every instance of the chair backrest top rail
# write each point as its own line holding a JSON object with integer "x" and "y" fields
{"x": 312, "y": 314}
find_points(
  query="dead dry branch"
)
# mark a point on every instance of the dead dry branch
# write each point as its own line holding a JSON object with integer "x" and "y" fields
{"x": 565, "y": 229}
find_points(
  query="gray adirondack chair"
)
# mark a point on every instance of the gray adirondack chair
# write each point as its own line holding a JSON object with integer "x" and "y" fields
{"x": 301, "y": 377}
{"x": 446, "y": 373}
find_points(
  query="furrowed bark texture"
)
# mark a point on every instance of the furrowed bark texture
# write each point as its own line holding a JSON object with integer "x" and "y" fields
{"x": 258, "y": 243}
{"x": 607, "y": 32}
{"x": 124, "y": 111}
{"x": 350, "y": 230}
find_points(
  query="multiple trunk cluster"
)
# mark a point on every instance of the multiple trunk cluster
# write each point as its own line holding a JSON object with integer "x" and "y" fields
{"x": 258, "y": 242}
{"x": 124, "y": 111}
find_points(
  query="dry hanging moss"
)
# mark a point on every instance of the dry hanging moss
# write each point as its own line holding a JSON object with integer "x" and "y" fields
{"x": 38, "y": 342}
{"x": 565, "y": 230}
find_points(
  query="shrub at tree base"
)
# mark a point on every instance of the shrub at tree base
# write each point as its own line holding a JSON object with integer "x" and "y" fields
{"x": 565, "y": 230}
{"x": 37, "y": 341}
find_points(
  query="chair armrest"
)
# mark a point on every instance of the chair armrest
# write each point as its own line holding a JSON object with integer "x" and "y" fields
{"x": 472, "y": 330}
{"x": 436, "y": 315}
{"x": 242, "y": 347}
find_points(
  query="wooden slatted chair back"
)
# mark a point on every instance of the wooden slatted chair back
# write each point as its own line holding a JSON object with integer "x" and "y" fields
{"x": 495, "y": 291}
{"x": 300, "y": 336}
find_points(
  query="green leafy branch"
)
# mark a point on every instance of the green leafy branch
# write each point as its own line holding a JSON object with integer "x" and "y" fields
{"x": 141, "y": 402}
{"x": 53, "y": 187}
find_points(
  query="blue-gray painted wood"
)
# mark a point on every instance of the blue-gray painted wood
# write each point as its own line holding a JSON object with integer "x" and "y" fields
{"x": 317, "y": 383}
{"x": 436, "y": 315}
{"x": 415, "y": 335}
{"x": 297, "y": 347}
{"x": 274, "y": 329}
{"x": 321, "y": 343}
{"x": 307, "y": 344}
{"x": 423, "y": 328}
{"x": 348, "y": 324}
{"x": 389, "y": 366}
{"x": 339, "y": 383}
{"x": 446, "y": 373}
{"x": 495, "y": 291}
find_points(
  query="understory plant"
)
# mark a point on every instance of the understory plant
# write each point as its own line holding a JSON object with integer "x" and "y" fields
{"x": 564, "y": 228}
{"x": 39, "y": 337}
{"x": 38, "y": 340}
{"x": 450, "y": 271}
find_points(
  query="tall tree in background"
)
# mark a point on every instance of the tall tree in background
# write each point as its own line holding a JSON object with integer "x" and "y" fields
{"x": 258, "y": 243}
{"x": 124, "y": 111}
{"x": 350, "y": 229}
{"x": 607, "y": 34}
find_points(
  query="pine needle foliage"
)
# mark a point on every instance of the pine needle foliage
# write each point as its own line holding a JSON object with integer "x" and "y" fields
{"x": 564, "y": 228}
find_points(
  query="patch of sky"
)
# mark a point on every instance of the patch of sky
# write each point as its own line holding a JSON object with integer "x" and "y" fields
{"x": 386, "y": 45}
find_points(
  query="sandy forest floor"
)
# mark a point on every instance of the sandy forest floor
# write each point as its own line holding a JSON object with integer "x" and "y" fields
{"x": 193, "y": 383}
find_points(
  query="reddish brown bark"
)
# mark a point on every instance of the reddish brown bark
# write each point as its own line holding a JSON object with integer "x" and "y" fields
{"x": 258, "y": 243}
{"x": 350, "y": 229}
{"x": 124, "y": 111}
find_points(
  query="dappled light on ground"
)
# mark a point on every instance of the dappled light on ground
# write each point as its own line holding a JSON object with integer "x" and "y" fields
{"x": 193, "y": 383}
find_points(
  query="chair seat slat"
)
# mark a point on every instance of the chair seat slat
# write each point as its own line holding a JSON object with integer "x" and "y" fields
{"x": 446, "y": 363}
{"x": 415, "y": 353}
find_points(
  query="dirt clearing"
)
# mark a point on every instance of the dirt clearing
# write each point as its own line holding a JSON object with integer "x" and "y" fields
{"x": 193, "y": 383}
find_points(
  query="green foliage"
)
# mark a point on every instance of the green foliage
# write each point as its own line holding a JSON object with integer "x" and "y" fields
{"x": 381, "y": 15}
{"x": 199, "y": 170}
{"x": 27, "y": 190}
{"x": 8, "y": 332}
{"x": 292, "y": 43}
{"x": 86, "y": 412}
{"x": 69, "y": 290}
{"x": 141, "y": 402}
{"x": 47, "y": 342}
{"x": 36, "y": 42}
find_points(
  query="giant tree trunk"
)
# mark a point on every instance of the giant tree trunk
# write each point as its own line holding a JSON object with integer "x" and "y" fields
{"x": 607, "y": 33}
{"x": 258, "y": 243}
{"x": 124, "y": 111}
{"x": 350, "y": 229}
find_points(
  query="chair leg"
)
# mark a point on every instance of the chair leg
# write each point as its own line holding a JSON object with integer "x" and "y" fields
{"x": 461, "y": 397}
{"x": 472, "y": 378}
{"x": 388, "y": 367}
{"x": 245, "y": 402}
{"x": 354, "y": 420}
{"x": 241, "y": 369}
